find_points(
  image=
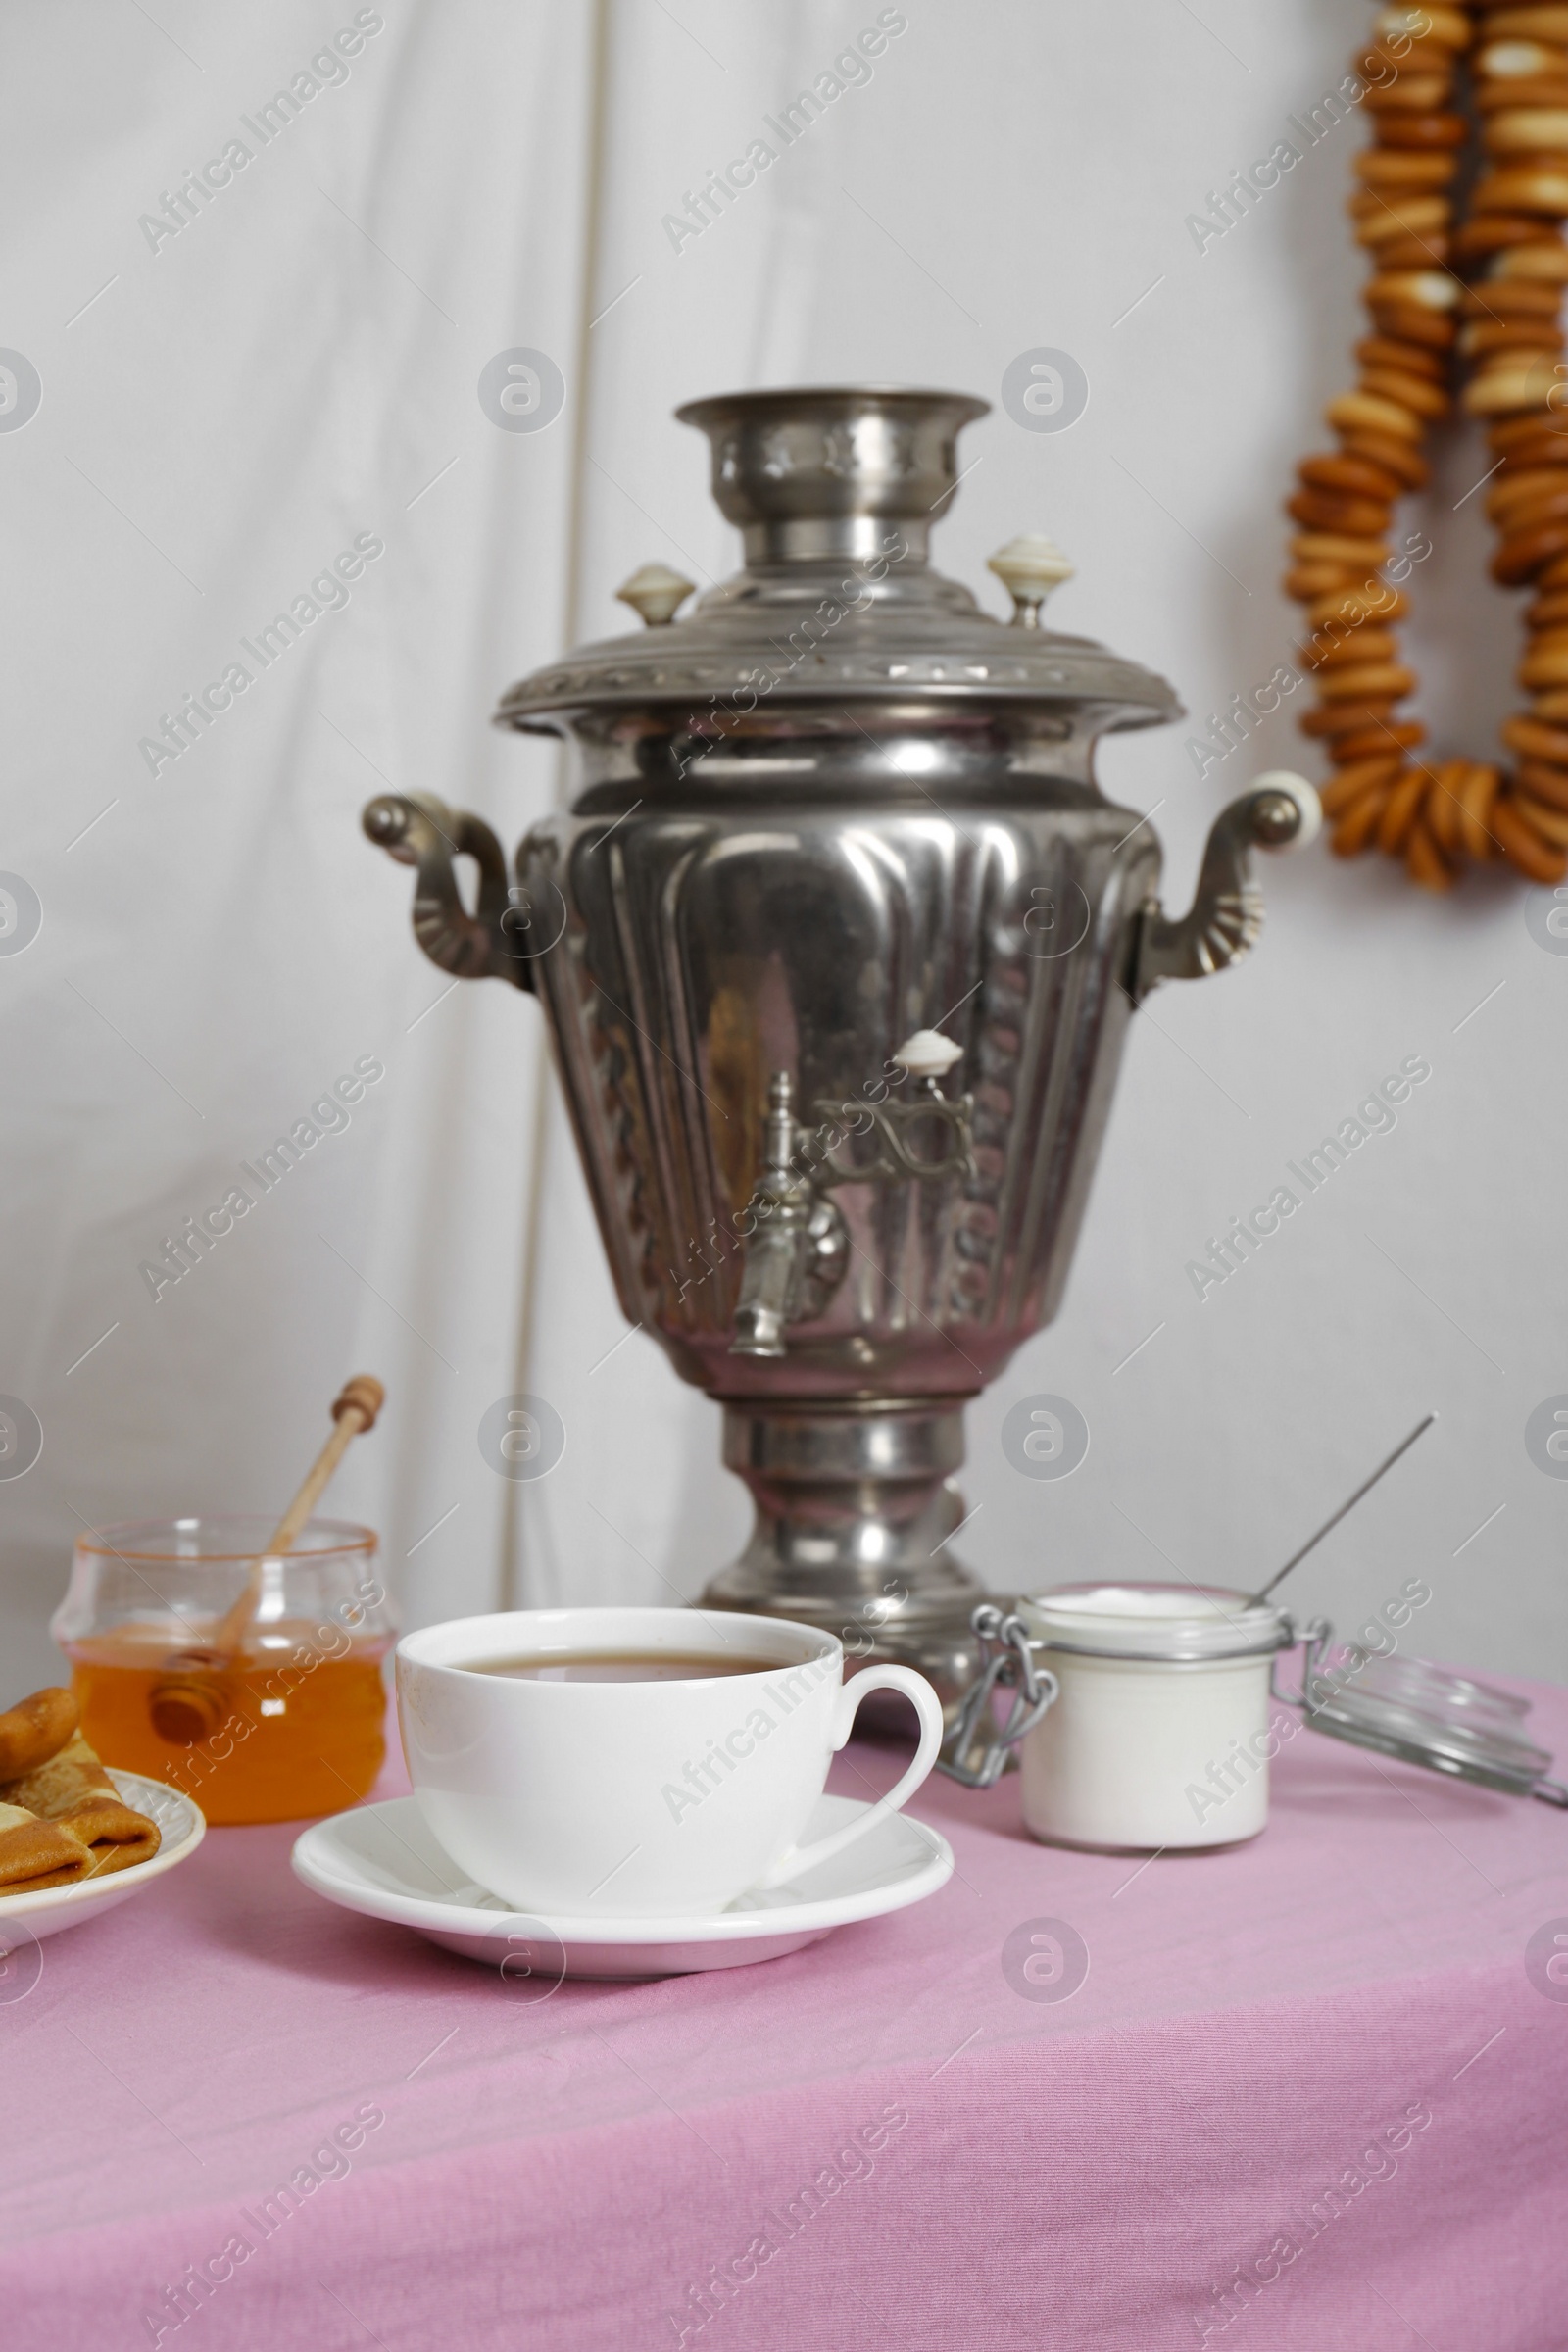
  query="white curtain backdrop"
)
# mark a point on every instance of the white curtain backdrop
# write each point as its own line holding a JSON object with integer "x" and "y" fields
{"x": 226, "y": 410}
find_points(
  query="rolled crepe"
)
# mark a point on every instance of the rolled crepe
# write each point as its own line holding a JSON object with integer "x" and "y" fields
{"x": 36, "y": 1853}
{"x": 35, "y": 1730}
{"x": 73, "y": 1791}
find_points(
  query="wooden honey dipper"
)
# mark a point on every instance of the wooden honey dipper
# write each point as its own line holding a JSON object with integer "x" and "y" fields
{"x": 190, "y": 1704}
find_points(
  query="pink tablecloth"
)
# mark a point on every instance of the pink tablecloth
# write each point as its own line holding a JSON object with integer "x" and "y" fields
{"x": 1311, "y": 2095}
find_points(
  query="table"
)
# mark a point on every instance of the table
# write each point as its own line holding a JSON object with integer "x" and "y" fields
{"x": 900, "y": 2137}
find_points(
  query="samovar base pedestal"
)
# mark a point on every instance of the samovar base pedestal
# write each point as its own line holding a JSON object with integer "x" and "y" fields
{"x": 854, "y": 1504}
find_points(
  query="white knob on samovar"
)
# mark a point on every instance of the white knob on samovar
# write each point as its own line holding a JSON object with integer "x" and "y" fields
{"x": 1293, "y": 788}
{"x": 928, "y": 1053}
{"x": 1029, "y": 568}
{"x": 656, "y": 592}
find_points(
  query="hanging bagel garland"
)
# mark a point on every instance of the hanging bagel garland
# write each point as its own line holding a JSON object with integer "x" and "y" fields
{"x": 1501, "y": 331}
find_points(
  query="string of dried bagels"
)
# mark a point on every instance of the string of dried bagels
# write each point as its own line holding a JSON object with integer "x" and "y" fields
{"x": 1473, "y": 300}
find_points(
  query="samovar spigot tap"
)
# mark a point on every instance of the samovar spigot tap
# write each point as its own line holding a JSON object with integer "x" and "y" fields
{"x": 785, "y": 1207}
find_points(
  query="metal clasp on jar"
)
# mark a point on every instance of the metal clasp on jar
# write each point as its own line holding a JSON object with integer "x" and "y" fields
{"x": 975, "y": 1751}
{"x": 1315, "y": 1638}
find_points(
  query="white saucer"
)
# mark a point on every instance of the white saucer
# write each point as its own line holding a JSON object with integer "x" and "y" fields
{"x": 383, "y": 1860}
{"x": 50, "y": 1908}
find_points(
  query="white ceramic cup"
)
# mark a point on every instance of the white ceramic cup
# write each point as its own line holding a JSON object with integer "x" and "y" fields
{"x": 635, "y": 1800}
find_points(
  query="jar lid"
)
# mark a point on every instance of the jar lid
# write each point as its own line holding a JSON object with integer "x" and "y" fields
{"x": 1423, "y": 1714}
{"x": 1163, "y": 1624}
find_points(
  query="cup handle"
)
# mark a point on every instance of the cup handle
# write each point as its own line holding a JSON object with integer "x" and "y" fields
{"x": 927, "y": 1706}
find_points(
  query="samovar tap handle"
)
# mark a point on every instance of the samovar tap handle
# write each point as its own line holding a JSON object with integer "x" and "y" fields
{"x": 419, "y": 830}
{"x": 1282, "y": 811}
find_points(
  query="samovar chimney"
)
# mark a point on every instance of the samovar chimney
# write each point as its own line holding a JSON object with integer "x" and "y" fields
{"x": 810, "y": 477}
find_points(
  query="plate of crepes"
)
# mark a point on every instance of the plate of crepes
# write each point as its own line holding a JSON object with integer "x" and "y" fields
{"x": 76, "y": 1838}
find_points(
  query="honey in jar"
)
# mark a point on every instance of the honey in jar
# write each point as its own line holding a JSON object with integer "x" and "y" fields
{"x": 288, "y": 1725}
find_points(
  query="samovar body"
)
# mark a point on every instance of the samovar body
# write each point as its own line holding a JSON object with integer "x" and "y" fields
{"x": 838, "y": 944}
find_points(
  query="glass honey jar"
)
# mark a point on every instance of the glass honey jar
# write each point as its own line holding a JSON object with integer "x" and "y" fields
{"x": 287, "y": 1724}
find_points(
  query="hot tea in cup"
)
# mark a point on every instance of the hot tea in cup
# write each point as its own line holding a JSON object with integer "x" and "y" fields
{"x": 621, "y": 1666}
{"x": 635, "y": 1762}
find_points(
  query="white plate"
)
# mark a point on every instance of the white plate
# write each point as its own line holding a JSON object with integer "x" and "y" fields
{"x": 49, "y": 1908}
{"x": 383, "y": 1860}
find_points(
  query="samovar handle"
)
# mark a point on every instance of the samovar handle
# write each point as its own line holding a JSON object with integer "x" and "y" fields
{"x": 1282, "y": 811}
{"x": 419, "y": 830}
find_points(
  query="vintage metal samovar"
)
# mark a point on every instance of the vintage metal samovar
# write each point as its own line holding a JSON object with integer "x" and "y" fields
{"x": 838, "y": 943}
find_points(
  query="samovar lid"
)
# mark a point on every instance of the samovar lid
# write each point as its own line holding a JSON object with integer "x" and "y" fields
{"x": 834, "y": 489}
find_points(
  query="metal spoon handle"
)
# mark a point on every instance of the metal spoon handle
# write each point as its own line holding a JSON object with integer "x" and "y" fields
{"x": 1365, "y": 1488}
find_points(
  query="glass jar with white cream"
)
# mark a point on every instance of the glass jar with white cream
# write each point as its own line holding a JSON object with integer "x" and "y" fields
{"x": 1159, "y": 1733}
{"x": 1146, "y": 1716}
